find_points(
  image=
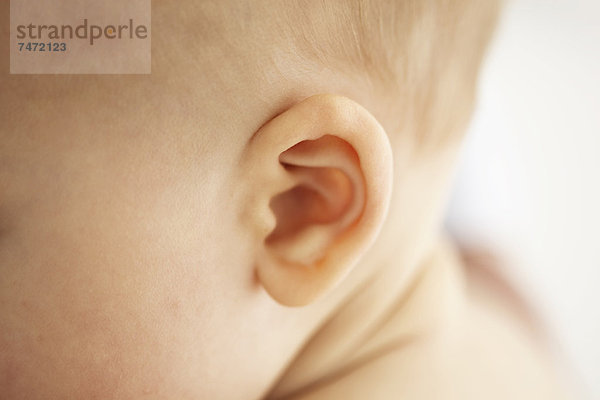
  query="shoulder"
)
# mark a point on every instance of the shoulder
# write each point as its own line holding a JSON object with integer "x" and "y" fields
{"x": 490, "y": 350}
{"x": 502, "y": 351}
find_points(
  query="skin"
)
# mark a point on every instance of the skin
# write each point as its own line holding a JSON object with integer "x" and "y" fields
{"x": 134, "y": 217}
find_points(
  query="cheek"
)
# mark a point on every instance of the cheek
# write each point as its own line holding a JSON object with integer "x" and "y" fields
{"x": 117, "y": 287}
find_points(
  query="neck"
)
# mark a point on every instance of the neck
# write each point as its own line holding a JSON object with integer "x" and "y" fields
{"x": 383, "y": 314}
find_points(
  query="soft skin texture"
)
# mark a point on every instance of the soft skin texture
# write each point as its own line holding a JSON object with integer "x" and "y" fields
{"x": 155, "y": 230}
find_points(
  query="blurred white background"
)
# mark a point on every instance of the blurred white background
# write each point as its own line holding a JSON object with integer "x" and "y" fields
{"x": 529, "y": 181}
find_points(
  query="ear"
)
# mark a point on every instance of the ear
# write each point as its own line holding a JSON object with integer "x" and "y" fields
{"x": 319, "y": 180}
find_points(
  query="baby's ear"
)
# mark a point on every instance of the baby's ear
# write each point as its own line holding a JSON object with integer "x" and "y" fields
{"x": 318, "y": 180}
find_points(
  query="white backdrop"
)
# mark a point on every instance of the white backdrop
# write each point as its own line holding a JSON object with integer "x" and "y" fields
{"x": 529, "y": 180}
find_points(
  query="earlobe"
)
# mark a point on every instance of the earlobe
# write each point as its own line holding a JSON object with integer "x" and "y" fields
{"x": 323, "y": 169}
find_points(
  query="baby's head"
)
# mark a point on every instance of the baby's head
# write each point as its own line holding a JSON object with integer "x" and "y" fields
{"x": 155, "y": 230}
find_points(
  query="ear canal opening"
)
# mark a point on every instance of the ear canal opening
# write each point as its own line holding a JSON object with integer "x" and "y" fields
{"x": 323, "y": 194}
{"x": 320, "y": 201}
